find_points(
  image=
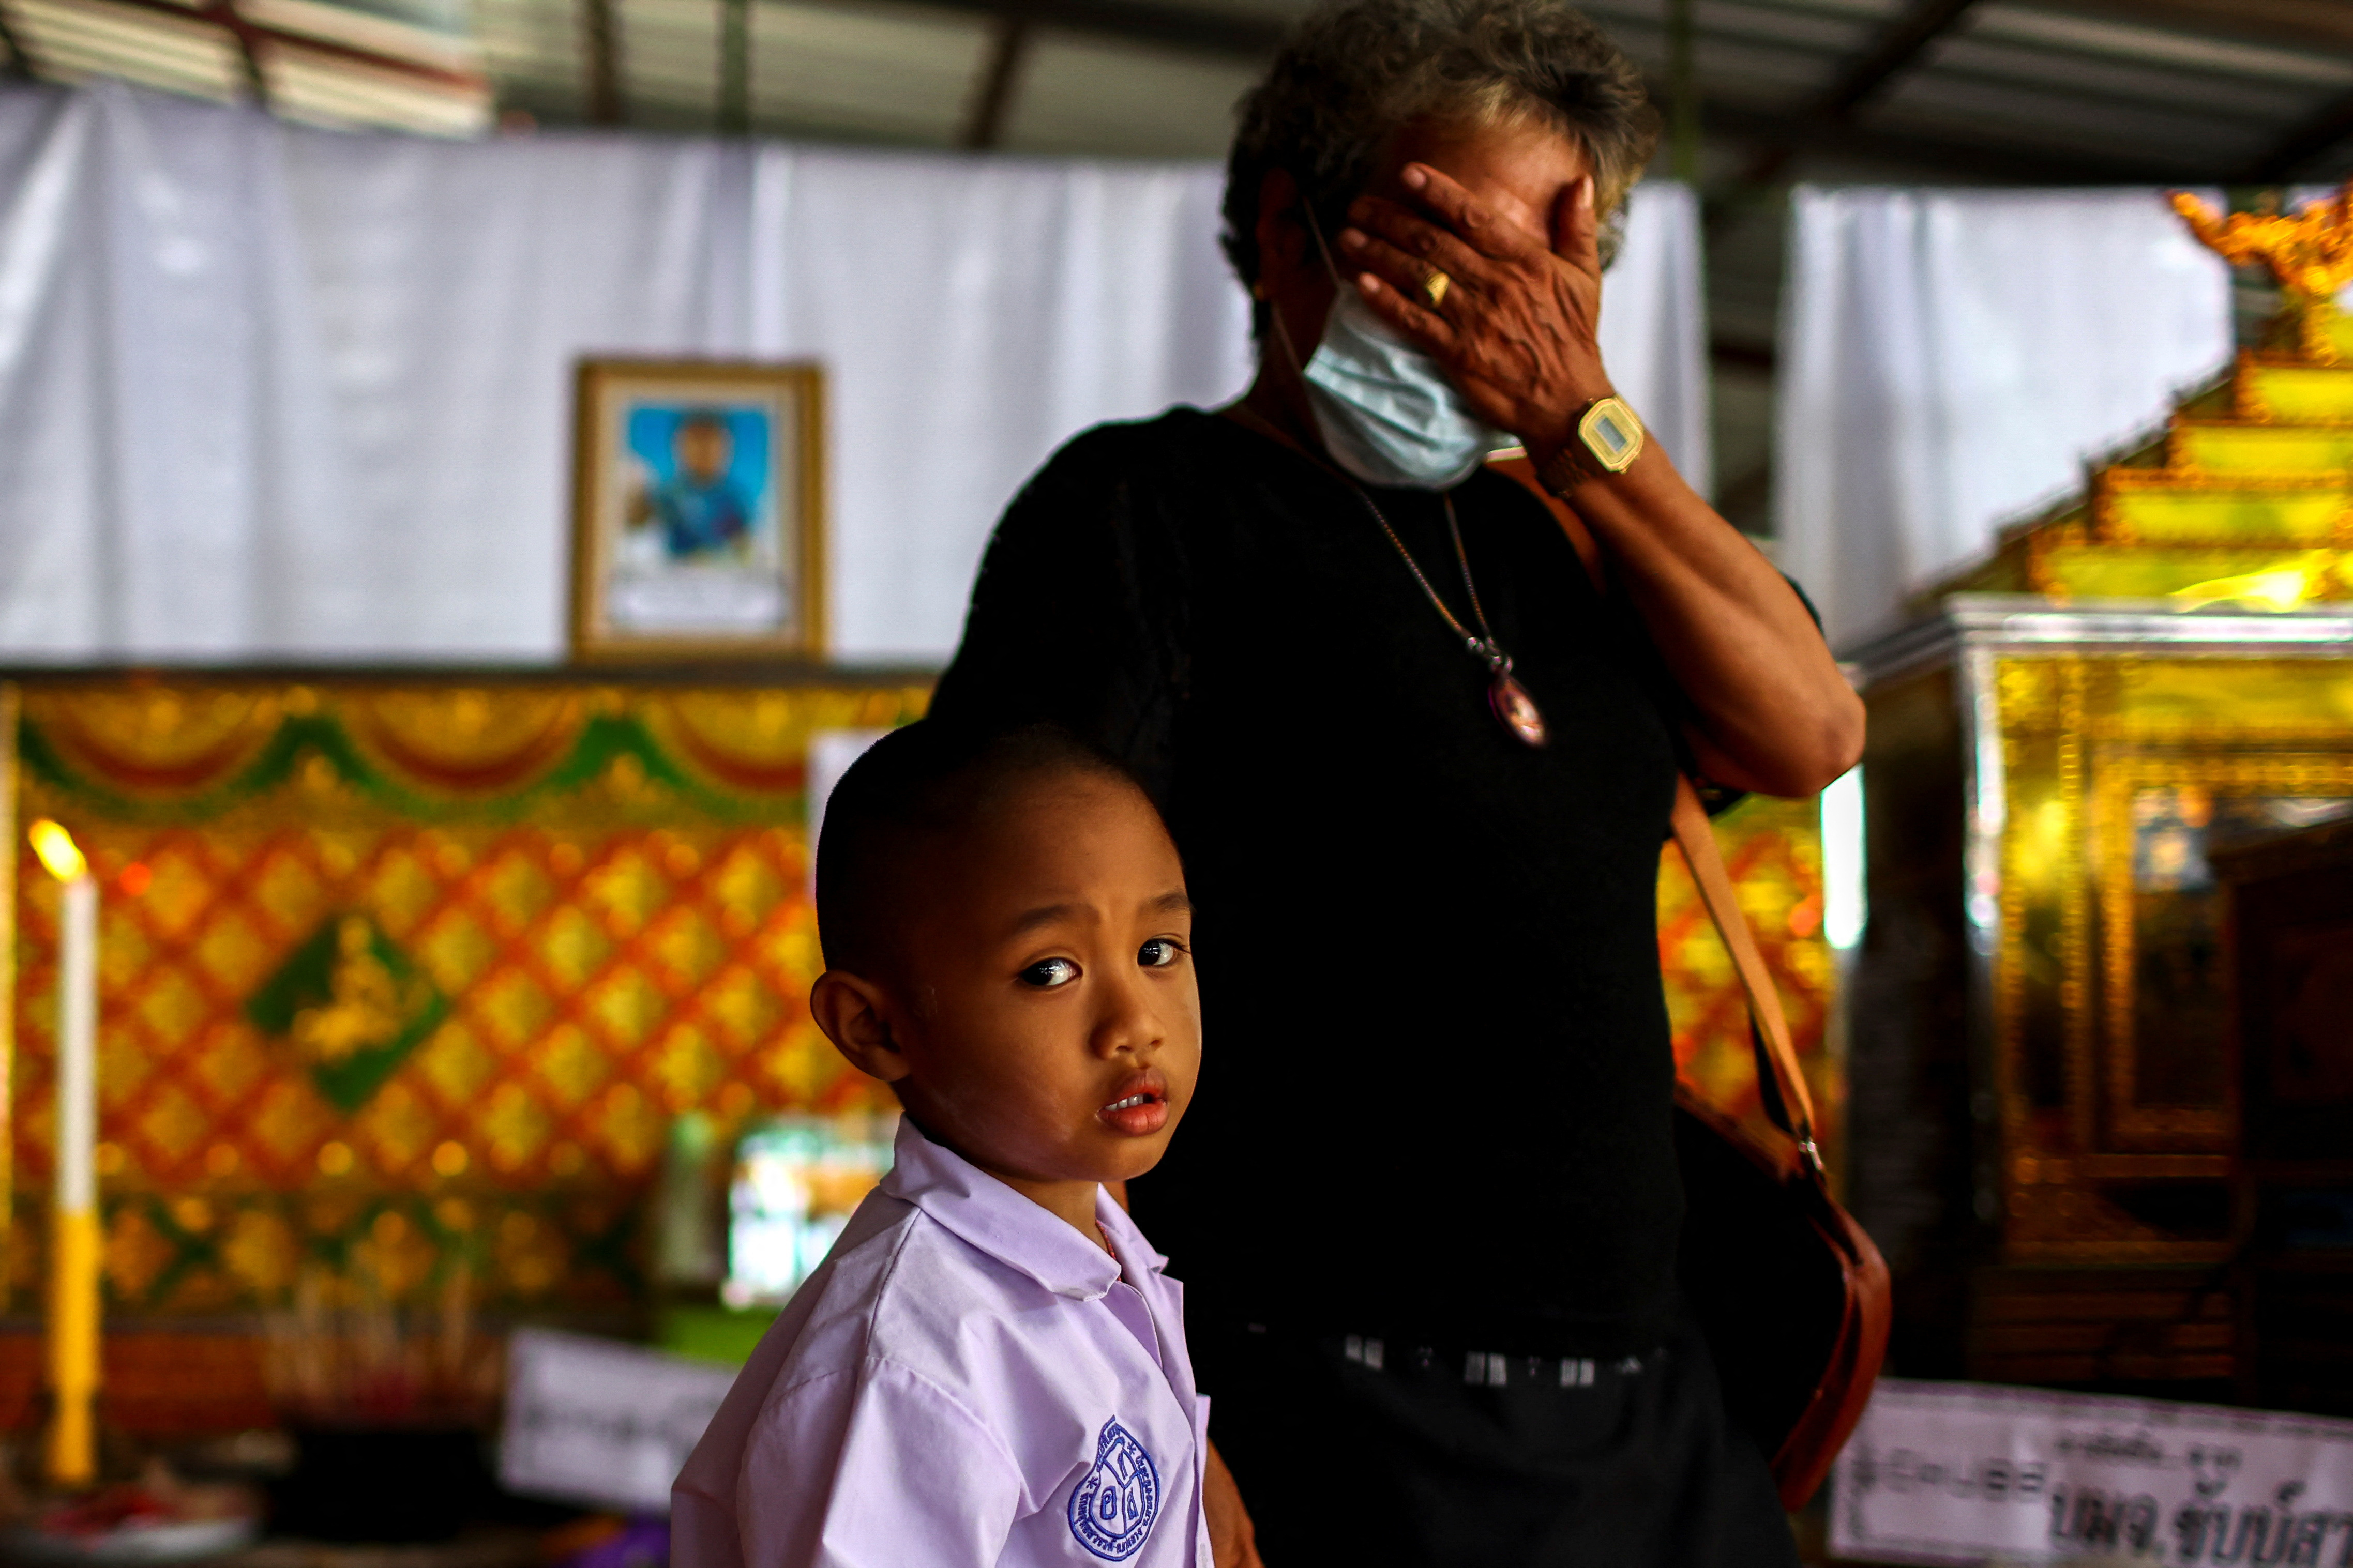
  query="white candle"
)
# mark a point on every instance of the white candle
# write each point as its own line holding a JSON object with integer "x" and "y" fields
{"x": 71, "y": 1452}
{"x": 77, "y": 1047}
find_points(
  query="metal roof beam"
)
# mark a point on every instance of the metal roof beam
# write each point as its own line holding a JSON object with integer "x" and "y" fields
{"x": 2313, "y": 23}
{"x": 1906, "y": 38}
{"x": 2297, "y": 149}
{"x": 993, "y": 105}
{"x": 600, "y": 52}
{"x": 735, "y": 68}
{"x": 20, "y": 64}
{"x": 1993, "y": 162}
{"x": 1202, "y": 32}
{"x": 1902, "y": 42}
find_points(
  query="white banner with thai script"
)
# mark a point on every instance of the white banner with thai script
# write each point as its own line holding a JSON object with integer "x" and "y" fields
{"x": 1969, "y": 1473}
{"x": 602, "y": 1423}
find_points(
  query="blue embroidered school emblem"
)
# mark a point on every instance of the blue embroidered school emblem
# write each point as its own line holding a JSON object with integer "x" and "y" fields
{"x": 1113, "y": 1506}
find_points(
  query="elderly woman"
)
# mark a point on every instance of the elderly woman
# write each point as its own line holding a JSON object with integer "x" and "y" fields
{"x": 1417, "y": 736}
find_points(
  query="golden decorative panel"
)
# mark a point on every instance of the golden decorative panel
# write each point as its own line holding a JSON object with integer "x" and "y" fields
{"x": 2162, "y": 506}
{"x": 2293, "y": 393}
{"x": 435, "y": 963}
{"x": 2237, "y": 446}
{"x": 2120, "y": 774}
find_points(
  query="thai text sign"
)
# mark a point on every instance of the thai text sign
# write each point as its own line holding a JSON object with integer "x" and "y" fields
{"x": 1967, "y": 1473}
{"x": 602, "y": 1423}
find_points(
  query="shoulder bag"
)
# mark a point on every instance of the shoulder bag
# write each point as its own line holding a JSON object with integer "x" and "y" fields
{"x": 1792, "y": 1295}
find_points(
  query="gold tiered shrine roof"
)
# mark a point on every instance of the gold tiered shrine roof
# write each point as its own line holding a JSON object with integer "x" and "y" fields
{"x": 2247, "y": 496}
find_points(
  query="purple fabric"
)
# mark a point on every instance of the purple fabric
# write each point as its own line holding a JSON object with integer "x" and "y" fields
{"x": 640, "y": 1543}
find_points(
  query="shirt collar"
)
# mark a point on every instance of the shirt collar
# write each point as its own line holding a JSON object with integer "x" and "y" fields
{"x": 1018, "y": 1233}
{"x": 1124, "y": 1236}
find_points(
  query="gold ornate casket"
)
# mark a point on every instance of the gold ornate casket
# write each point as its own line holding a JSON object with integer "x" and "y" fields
{"x": 2043, "y": 1081}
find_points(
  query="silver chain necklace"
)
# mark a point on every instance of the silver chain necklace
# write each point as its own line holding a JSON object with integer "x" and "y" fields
{"x": 1512, "y": 707}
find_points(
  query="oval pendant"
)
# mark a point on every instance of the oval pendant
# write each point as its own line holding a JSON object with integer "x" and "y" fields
{"x": 1515, "y": 710}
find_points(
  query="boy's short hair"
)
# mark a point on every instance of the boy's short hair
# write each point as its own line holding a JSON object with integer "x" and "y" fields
{"x": 924, "y": 781}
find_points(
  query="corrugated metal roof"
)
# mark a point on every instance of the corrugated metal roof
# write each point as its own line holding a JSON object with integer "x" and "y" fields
{"x": 81, "y": 38}
{"x": 324, "y": 64}
{"x": 2179, "y": 89}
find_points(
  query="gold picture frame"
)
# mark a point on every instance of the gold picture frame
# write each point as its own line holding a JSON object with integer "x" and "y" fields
{"x": 698, "y": 509}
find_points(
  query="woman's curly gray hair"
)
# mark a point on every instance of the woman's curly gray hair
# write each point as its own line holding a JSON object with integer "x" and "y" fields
{"x": 1352, "y": 74}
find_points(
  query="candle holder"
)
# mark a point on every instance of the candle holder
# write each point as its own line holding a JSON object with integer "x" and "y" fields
{"x": 78, "y": 1516}
{"x": 158, "y": 1517}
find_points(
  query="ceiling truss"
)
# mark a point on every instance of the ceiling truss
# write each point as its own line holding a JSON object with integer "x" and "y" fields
{"x": 1902, "y": 44}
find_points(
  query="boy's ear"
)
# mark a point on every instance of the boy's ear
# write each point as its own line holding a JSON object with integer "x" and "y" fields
{"x": 849, "y": 1009}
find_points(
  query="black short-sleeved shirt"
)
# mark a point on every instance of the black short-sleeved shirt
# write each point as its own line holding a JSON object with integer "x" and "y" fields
{"x": 1436, "y": 1090}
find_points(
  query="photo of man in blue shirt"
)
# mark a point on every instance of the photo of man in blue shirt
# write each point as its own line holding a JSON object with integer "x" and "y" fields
{"x": 701, "y": 506}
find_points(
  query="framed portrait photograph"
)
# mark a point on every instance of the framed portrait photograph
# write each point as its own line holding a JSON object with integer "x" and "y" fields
{"x": 698, "y": 507}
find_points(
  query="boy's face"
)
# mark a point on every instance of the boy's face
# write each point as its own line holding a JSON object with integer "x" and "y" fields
{"x": 1044, "y": 1014}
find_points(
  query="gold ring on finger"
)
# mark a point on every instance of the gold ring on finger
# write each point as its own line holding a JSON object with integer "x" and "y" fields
{"x": 1434, "y": 284}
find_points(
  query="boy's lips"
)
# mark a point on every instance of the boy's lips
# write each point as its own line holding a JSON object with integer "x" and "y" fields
{"x": 1141, "y": 1105}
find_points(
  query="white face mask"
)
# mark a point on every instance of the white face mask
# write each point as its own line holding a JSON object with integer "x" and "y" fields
{"x": 1385, "y": 411}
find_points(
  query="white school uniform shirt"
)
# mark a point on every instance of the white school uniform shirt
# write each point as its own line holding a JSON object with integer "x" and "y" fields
{"x": 964, "y": 1380}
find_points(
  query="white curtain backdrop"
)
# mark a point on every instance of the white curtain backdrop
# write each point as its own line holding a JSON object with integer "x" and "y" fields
{"x": 276, "y": 392}
{"x": 1950, "y": 358}
{"x": 1654, "y": 325}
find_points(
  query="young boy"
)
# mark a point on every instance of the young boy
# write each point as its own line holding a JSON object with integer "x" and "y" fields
{"x": 989, "y": 1367}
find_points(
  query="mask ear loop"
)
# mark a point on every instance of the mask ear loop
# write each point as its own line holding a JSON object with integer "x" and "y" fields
{"x": 1322, "y": 249}
{"x": 1291, "y": 350}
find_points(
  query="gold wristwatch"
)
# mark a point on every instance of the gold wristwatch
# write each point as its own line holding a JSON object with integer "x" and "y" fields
{"x": 1611, "y": 438}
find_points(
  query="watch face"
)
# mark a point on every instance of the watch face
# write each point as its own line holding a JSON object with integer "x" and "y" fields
{"x": 1612, "y": 434}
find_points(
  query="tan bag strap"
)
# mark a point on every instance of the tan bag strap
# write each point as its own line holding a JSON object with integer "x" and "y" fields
{"x": 1776, "y": 1057}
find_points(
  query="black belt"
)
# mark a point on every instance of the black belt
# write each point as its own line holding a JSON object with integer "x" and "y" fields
{"x": 1479, "y": 1368}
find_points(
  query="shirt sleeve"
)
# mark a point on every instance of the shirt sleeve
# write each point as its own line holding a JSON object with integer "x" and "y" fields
{"x": 874, "y": 1467}
{"x": 1080, "y": 612}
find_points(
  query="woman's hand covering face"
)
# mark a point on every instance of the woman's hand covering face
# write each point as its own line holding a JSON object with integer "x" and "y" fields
{"x": 1515, "y": 328}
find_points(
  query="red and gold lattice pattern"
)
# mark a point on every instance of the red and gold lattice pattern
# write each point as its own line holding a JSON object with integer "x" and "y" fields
{"x": 638, "y": 942}
{"x": 598, "y": 982}
{"x": 1773, "y": 851}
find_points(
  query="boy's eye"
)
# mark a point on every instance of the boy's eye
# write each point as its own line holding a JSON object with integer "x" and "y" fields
{"x": 1049, "y": 973}
{"x": 1159, "y": 953}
